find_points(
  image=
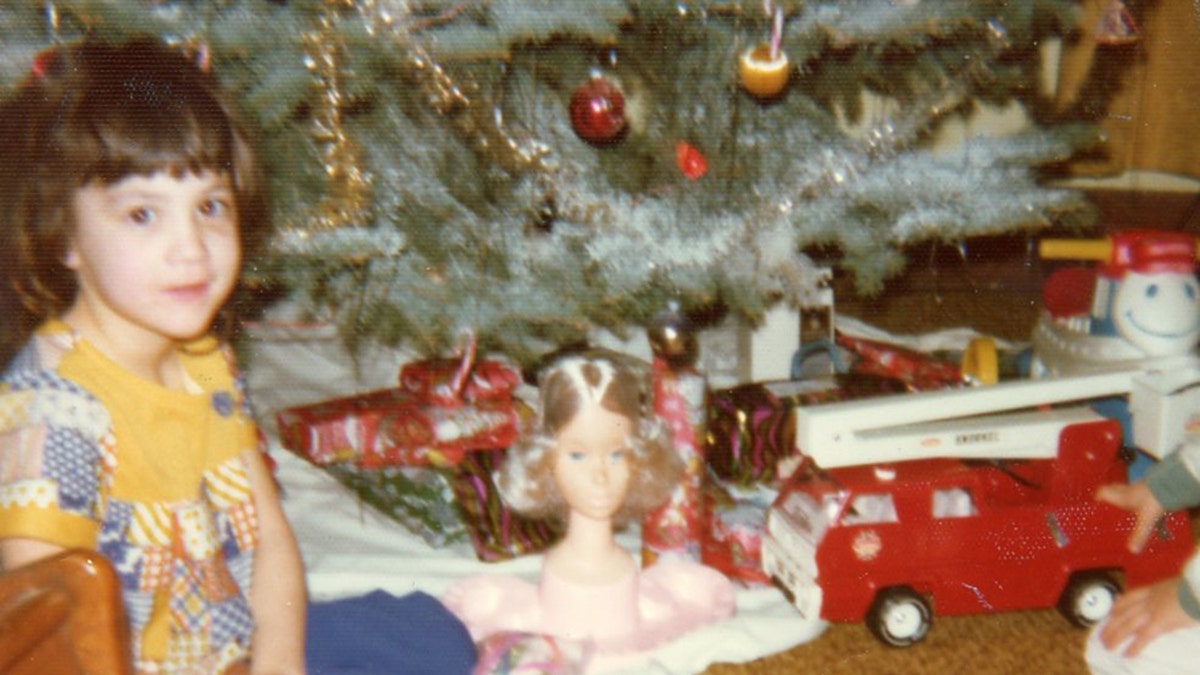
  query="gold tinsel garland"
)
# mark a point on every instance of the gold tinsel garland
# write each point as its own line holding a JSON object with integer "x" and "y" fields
{"x": 347, "y": 200}
{"x": 474, "y": 115}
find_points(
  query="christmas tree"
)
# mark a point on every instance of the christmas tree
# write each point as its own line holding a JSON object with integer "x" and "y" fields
{"x": 534, "y": 169}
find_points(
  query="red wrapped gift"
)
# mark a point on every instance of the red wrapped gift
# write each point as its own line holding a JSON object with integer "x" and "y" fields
{"x": 496, "y": 532}
{"x": 441, "y": 381}
{"x": 750, "y": 426}
{"x": 453, "y": 382}
{"x": 917, "y": 369}
{"x": 396, "y": 427}
{"x": 674, "y": 530}
{"x": 732, "y": 542}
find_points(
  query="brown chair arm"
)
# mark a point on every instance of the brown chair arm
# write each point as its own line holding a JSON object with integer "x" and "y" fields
{"x": 63, "y": 614}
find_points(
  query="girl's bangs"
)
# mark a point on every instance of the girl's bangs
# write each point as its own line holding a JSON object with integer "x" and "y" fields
{"x": 178, "y": 147}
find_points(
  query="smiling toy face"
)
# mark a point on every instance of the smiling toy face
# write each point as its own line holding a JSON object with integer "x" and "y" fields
{"x": 1158, "y": 313}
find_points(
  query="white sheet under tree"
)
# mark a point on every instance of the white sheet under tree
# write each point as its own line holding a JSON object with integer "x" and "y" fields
{"x": 350, "y": 549}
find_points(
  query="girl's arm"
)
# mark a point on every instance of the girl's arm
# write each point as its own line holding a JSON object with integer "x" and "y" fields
{"x": 1140, "y": 500}
{"x": 1175, "y": 481}
{"x": 278, "y": 597}
{"x": 18, "y": 551}
{"x": 1144, "y": 613}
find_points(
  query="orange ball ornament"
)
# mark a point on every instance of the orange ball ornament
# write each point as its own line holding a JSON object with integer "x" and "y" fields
{"x": 763, "y": 75}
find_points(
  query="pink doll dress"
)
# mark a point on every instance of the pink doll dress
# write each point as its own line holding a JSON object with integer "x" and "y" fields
{"x": 619, "y": 621}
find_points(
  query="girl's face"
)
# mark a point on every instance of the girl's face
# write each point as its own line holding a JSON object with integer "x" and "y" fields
{"x": 591, "y": 462}
{"x": 155, "y": 256}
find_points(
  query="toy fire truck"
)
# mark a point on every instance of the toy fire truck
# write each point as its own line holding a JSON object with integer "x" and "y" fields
{"x": 978, "y": 500}
{"x": 967, "y": 501}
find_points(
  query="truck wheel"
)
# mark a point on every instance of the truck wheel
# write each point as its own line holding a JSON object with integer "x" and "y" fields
{"x": 1089, "y": 598}
{"x": 899, "y": 617}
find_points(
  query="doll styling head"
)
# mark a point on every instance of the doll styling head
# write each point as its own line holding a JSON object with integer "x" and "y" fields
{"x": 527, "y": 479}
{"x": 94, "y": 114}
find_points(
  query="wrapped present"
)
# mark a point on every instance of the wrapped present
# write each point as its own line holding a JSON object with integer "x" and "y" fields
{"x": 518, "y": 653}
{"x": 750, "y": 426}
{"x": 454, "y": 382}
{"x": 424, "y": 461}
{"x": 918, "y": 370}
{"x": 445, "y": 382}
{"x": 733, "y": 538}
{"x": 448, "y": 506}
{"x": 419, "y": 498}
{"x": 396, "y": 427}
{"x": 675, "y": 529}
{"x": 442, "y": 409}
{"x": 495, "y": 531}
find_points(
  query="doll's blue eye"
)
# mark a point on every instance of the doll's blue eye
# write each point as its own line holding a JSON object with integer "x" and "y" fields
{"x": 1152, "y": 291}
{"x": 1190, "y": 291}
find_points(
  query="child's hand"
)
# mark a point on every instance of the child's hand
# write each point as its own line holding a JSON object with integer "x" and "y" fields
{"x": 1143, "y": 614}
{"x": 1138, "y": 498}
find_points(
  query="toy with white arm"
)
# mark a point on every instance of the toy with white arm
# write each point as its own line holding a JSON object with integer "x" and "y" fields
{"x": 982, "y": 499}
{"x": 1138, "y": 308}
{"x": 995, "y": 422}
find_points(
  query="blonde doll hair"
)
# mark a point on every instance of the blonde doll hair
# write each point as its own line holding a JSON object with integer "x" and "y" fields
{"x": 526, "y": 480}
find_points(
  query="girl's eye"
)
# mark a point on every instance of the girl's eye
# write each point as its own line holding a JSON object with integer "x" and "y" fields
{"x": 576, "y": 455}
{"x": 214, "y": 208}
{"x": 617, "y": 456}
{"x": 141, "y": 215}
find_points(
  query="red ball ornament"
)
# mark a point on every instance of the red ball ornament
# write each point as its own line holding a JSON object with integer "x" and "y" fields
{"x": 598, "y": 111}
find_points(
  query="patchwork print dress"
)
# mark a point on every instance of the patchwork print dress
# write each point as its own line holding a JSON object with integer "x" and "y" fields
{"x": 92, "y": 456}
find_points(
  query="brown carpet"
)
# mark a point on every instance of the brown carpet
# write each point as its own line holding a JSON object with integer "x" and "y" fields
{"x": 994, "y": 286}
{"x": 1027, "y": 643}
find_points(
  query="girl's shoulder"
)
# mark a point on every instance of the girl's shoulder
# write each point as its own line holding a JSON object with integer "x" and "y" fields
{"x": 43, "y": 351}
{"x": 35, "y": 366}
{"x": 34, "y": 392}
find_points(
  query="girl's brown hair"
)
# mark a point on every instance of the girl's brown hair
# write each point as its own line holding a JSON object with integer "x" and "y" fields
{"x": 526, "y": 481}
{"x": 96, "y": 113}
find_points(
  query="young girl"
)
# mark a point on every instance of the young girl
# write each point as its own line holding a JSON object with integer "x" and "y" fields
{"x": 594, "y": 460}
{"x": 129, "y": 191}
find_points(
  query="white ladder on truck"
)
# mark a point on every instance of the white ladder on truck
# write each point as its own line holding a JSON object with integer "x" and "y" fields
{"x": 998, "y": 421}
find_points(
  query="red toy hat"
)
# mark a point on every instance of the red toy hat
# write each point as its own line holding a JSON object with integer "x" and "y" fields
{"x": 1149, "y": 252}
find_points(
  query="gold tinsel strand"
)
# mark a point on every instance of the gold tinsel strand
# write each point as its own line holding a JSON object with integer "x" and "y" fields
{"x": 348, "y": 197}
{"x": 478, "y": 119}
{"x": 474, "y": 116}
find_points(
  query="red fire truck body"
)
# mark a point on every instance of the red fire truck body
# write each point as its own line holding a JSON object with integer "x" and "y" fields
{"x": 894, "y": 543}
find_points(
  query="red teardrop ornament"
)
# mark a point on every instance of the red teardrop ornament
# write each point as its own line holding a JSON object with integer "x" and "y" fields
{"x": 690, "y": 161}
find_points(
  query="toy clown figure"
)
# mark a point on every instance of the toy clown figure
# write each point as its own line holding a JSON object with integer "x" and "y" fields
{"x": 1140, "y": 308}
{"x": 595, "y": 459}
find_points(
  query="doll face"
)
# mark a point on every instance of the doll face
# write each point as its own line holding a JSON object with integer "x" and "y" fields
{"x": 591, "y": 462}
